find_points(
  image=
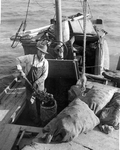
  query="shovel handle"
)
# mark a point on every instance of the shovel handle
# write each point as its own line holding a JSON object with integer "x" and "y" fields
{"x": 28, "y": 81}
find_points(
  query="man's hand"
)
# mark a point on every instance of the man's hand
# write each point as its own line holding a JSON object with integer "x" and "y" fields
{"x": 19, "y": 67}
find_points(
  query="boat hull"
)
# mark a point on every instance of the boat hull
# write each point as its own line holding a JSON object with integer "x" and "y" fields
{"x": 10, "y": 132}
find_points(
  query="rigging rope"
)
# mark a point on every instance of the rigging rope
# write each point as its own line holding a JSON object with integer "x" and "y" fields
{"x": 24, "y": 25}
{"x": 90, "y": 10}
{"x": 46, "y": 7}
{"x": 88, "y": 7}
{"x": 84, "y": 27}
{"x": 83, "y": 78}
{"x": 95, "y": 66}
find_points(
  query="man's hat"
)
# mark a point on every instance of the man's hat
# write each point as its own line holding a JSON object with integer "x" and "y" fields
{"x": 42, "y": 47}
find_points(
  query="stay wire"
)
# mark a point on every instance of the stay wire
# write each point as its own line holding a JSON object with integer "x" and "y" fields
{"x": 24, "y": 25}
{"x": 88, "y": 7}
{"x": 46, "y": 7}
{"x": 90, "y": 10}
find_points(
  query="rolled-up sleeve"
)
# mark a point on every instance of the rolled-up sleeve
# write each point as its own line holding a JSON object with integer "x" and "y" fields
{"x": 22, "y": 60}
{"x": 25, "y": 61}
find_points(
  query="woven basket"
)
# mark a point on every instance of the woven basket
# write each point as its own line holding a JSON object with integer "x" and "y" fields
{"x": 47, "y": 113}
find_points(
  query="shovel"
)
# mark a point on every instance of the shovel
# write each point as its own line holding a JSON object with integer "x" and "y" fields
{"x": 28, "y": 81}
{"x": 36, "y": 92}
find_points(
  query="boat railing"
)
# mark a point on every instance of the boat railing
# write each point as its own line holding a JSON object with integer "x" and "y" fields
{"x": 14, "y": 90}
{"x": 10, "y": 89}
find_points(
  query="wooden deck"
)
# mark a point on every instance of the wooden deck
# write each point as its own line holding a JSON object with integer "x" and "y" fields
{"x": 94, "y": 140}
{"x": 12, "y": 101}
{"x": 10, "y": 133}
{"x": 12, "y": 104}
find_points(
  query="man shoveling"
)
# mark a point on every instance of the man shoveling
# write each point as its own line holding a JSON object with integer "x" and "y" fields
{"x": 36, "y": 72}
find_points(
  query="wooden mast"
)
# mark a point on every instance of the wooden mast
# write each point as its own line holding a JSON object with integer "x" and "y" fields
{"x": 59, "y": 26}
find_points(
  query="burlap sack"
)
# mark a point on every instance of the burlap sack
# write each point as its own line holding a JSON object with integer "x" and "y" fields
{"x": 73, "y": 92}
{"x": 75, "y": 119}
{"x": 97, "y": 97}
{"x": 110, "y": 115}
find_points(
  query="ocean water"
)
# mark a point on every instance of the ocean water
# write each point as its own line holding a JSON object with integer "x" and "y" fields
{"x": 13, "y": 12}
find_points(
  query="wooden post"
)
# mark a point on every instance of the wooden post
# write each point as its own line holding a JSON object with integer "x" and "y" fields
{"x": 59, "y": 26}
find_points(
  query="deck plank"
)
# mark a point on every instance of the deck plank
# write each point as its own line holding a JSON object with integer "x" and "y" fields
{"x": 96, "y": 140}
{"x": 14, "y": 99}
{"x": 12, "y": 102}
{"x": 59, "y": 146}
{"x": 26, "y": 128}
{"x": 9, "y": 142}
{"x": 20, "y": 102}
{"x": 3, "y": 135}
{"x": 8, "y": 110}
{"x": 9, "y": 101}
{"x": 10, "y": 132}
{"x": 4, "y": 97}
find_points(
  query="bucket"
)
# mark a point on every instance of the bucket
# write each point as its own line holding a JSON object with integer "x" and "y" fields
{"x": 48, "y": 111}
